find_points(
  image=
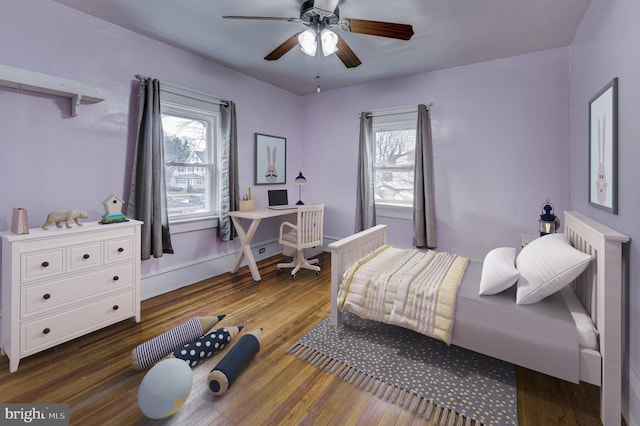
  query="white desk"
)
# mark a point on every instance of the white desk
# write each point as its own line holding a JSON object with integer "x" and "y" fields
{"x": 246, "y": 236}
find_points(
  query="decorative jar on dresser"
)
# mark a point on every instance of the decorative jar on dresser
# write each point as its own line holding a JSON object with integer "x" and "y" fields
{"x": 62, "y": 283}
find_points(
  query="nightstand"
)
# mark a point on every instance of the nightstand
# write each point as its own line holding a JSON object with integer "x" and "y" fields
{"x": 527, "y": 238}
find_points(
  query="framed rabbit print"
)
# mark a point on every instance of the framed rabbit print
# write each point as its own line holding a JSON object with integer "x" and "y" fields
{"x": 603, "y": 148}
{"x": 271, "y": 160}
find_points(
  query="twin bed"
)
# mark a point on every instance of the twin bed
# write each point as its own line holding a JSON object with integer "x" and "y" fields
{"x": 573, "y": 334}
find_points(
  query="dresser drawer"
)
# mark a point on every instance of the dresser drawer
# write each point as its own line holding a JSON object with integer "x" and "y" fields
{"x": 85, "y": 256}
{"x": 46, "y": 332}
{"x": 120, "y": 249}
{"x": 42, "y": 297}
{"x": 41, "y": 264}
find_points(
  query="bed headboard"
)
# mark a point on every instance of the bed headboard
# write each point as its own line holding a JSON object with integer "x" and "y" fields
{"x": 600, "y": 290}
{"x": 594, "y": 238}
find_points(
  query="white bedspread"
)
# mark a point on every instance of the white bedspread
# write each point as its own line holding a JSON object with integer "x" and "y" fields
{"x": 406, "y": 287}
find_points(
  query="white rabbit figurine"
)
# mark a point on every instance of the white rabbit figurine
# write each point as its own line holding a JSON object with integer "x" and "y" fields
{"x": 601, "y": 182}
{"x": 271, "y": 174}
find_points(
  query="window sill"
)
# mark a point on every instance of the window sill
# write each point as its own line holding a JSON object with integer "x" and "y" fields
{"x": 395, "y": 211}
{"x": 189, "y": 225}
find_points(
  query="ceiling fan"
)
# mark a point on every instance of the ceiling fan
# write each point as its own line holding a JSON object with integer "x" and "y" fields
{"x": 322, "y": 15}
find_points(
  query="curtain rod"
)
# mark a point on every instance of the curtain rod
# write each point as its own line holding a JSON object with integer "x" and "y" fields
{"x": 190, "y": 93}
{"x": 395, "y": 110}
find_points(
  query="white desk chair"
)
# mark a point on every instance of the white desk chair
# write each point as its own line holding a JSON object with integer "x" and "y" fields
{"x": 306, "y": 233}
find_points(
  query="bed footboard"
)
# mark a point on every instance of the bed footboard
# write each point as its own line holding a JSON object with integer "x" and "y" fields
{"x": 345, "y": 252}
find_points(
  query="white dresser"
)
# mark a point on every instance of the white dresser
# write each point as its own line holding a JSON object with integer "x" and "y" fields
{"x": 63, "y": 283}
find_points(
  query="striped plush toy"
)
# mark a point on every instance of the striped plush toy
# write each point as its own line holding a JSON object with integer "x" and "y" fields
{"x": 148, "y": 353}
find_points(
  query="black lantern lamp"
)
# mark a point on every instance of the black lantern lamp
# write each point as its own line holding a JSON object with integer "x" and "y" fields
{"x": 300, "y": 180}
{"x": 549, "y": 222}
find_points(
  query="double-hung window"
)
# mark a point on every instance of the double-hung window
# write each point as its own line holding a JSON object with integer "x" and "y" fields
{"x": 191, "y": 128}
{"x": 394, "y": 138}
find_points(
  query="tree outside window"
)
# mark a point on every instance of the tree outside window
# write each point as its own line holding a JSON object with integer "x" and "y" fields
{"x": 189, "y": 150}
{"x": 394, "y": 163}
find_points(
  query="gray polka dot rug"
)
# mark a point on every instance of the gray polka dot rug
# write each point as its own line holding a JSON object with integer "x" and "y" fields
{"x": 446, "y": 385}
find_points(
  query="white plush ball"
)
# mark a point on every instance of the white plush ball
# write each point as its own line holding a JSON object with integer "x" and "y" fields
{"x": 165, "y": 388}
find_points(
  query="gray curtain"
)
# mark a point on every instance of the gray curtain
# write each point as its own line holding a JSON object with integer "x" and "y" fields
{"x": 423, "y": 192}
{"x": 365, "y": 201}
{"x": 229, "y": 191}
{"x": 148, "y": 198}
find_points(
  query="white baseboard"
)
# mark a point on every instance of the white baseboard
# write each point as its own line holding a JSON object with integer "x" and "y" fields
{"x": 175, "y": 277}
{"x": 178, "y": 276}
{"x": 329, "y": 240}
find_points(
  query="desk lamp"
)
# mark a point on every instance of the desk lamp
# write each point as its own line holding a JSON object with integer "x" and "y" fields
{"x": 300, "y": 180}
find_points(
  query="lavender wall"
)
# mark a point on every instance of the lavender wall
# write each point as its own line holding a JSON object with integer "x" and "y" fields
{"x": 500, "y": 144}
{"x": 605, "y": 47}
{"x": 507, "y": 134}
{"x": 51, "y": 161}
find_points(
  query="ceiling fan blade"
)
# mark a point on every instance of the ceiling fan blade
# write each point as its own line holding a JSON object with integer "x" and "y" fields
{"x": 279, "y": 51}
{"x": 377, "y": 28}
{"x": 263, "y": 18}
{"x": 326, "y": 6}
{"x": 346, "y": 55}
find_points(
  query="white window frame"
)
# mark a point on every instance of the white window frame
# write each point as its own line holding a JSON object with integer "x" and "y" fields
{"x": 393, "y": 120}
{"x": 182, "y": 102}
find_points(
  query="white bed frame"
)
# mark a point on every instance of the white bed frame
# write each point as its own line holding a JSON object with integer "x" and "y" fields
{"x": 599, "y": 288}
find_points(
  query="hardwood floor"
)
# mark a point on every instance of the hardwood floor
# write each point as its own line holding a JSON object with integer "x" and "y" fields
{"x": 94, "y": 375}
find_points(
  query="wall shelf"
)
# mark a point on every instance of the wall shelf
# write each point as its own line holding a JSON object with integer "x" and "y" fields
{"x": 21, "y": 79}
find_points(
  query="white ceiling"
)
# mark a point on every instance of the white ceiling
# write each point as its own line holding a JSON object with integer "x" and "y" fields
{"x": 448, "y": 33}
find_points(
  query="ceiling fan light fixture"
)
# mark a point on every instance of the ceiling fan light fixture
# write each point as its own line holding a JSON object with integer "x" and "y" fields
{"x": 325, "y": 7}
{"x": 329, "y": 41}
{"x": 308, "y": 43}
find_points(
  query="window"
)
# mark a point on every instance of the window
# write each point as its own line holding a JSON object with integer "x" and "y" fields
{"x": 395, "y": 140}
{"x": 191, "y": 133}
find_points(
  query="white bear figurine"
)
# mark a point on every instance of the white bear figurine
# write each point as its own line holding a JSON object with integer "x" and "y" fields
{"x": 59, "y": 216}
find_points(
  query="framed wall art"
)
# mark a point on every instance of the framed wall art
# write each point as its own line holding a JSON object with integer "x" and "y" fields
{"x": 603, "y": 148}
{"x": 271, "y": 160}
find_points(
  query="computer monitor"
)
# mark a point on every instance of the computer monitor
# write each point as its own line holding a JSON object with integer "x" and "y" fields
{"x": 278, "y": 197}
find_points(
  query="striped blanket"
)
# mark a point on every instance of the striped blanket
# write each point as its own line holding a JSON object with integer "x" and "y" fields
{"x": 405, "y": 287}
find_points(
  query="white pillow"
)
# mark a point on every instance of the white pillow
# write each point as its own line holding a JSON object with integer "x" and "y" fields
{"x": 498, "y": 271}
{"x": 546, "y": 265}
